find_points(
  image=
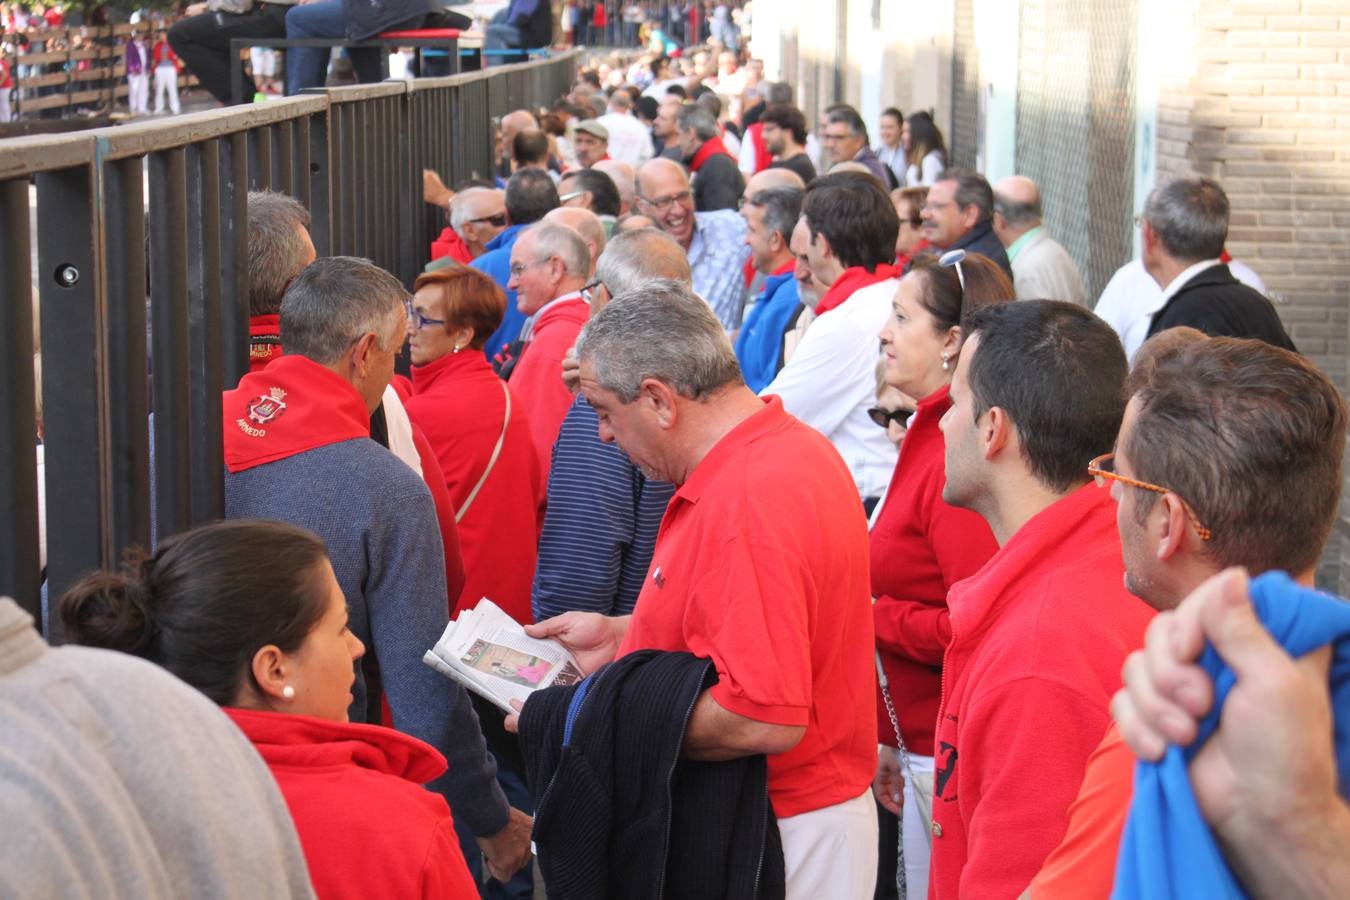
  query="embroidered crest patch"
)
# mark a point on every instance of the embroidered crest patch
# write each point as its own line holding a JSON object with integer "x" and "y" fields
{"x": 267, "y": 407}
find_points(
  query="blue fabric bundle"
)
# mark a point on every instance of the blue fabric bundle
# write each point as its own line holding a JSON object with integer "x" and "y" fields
{"x": 1168, "y": 850}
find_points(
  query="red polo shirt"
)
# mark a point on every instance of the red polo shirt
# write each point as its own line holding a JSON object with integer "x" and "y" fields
{"x": 761, "y": 566}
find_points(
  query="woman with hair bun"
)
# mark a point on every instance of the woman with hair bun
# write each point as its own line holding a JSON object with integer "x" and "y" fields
{"x": 250, "y": 614}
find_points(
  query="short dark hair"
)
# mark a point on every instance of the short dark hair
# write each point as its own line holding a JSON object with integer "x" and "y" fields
{"x": 972, "y": 189}
{"x": 1190, "y": 216}
{"x": 530, "y": 194}
{"x": 276, "y": 251}
{"x": 788, "y": 118}
{"x": 604, "y": 192}
{"x": 676, "y": 90}
{"x": 529, "y": 147}
{"x": 782, "y": 208}
{"x": 472, "y": 299}
{"x": 843, "y": 114}
{"x": 205, "y": 602}
{"x": 856, "y": 216}
{"x": 1058, "y": 371}
{"x": 942, "y": 295}
{"x": 647, "y": 107}
{"x": 1251, "y": 437}
{"x": 894, "y": 113}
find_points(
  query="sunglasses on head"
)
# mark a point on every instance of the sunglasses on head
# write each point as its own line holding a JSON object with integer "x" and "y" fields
{"x": 884, "y": 417}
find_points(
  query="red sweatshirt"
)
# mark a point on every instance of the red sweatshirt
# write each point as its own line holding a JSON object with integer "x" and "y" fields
{"x": 1038, "y": 639}
{"x": 537, "y": 377}
{"x": 459, "y": 403}
{"x": 368, "y": 827}
{"x": 920, "y": 548}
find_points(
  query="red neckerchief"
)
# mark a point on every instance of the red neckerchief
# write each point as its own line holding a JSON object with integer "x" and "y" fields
{"x": 1225, "y": 257}
{"x": 762, "y": 156}
{"x": 902, "y": 262}
{"x": 854, "y": 278}
{"x": 264, "y": 344}
{"x": 452, "y": 245}
{"x": 291, "y": 406}
{"x": 711, "y": 147}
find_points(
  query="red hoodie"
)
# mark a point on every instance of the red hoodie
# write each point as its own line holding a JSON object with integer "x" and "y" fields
{"x": 1038, "y": 639}
{"x": 920, "y": 548}
{"x": 368, "y": 827}
{"x": 537, "y": 378}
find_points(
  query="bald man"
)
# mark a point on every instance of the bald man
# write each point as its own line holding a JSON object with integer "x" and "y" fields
{"x": 773, "y": 178}
{"x": 585, "y": 223}
{"x": 512, "y": 124}
{"x": 1042, "y": 268}
{"x": 714, "y": 240}
{"x": 624, "y": 177}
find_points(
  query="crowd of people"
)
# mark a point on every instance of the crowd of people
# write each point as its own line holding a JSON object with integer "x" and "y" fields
{"x": 814, "y": 455}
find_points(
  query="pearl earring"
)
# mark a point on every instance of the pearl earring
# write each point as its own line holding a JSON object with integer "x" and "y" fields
{"x": 288, "y": 692}
{"x": 945, "y": 363}
{"x": 456, "y": 350}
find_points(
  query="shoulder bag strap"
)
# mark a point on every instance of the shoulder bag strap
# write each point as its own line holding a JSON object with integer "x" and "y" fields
{"x": 492, "y": 460}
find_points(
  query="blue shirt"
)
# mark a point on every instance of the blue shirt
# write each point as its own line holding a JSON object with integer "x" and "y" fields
{"x": 717, "y": 256}
{"x": 496, "y": 262}
{"x": 1168, "y": 850}
{"x": 600, "y": 526}
{"x": 759, "y": 346}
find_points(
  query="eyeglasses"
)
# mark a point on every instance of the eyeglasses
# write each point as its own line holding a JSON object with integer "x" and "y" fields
{"x": 497, "y": 221}
{"x": 570, "y": 195}
{"x": 518, "y": 269}
{"x": 588, "y": 289}
{"x": 661, "y": 204}
{"x": 884, "y": 417}
{"x": 419, "y": 321}
{"x": 955, "y": 258}
{"x": 1102, "y": 469}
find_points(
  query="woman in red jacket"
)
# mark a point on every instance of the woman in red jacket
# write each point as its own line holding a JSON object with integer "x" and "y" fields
{"x": 920, "y": 545}
{"x": 250, "y": 614}
{"x": 479, "y": 432}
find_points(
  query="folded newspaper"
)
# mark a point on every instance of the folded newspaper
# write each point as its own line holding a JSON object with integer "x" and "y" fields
{"x": 489, "y": 653}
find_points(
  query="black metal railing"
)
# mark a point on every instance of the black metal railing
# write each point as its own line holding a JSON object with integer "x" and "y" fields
{"x": 141, "y": 273}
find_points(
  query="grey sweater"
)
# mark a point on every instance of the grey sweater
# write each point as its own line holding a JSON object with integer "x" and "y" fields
{"x": 379, "y": 522}
{"x": 118, "y": 780}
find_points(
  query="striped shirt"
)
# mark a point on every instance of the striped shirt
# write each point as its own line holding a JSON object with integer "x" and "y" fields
{"x": 600, "y": 526}
{"x": 717, "y": 256}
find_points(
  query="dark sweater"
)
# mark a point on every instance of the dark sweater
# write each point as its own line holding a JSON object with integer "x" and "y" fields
{"x": 1221, "y": 306}
{"x": 981, "y": 239}
{"x": 620, "y": 815}
{"x": 377, "y": 519}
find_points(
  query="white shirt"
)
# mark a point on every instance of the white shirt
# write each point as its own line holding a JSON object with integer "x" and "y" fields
{"x": 926, "y": 172}
{"x": 629, "y": 140}
{"x": 831, "y": 382}
{"x": 1132, "y": 298}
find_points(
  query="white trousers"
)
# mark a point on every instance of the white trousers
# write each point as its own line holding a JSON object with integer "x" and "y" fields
{"x": 831, "y": 853}
{"x": 166, "y": 83}
{"x": 138, "y": 93}
{"x": 4, "y": 104}
{"x": 915, "y": 823}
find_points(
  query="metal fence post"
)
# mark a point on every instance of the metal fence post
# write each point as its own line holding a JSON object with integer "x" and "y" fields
{"x": 205, "y": 372}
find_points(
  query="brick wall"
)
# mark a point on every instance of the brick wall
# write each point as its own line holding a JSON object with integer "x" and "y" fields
{"x": 1267, "y": 113}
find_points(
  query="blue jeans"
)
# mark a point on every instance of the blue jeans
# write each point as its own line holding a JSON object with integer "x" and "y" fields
{"x": 521, "y": 886}
{"x": 307, "y": 67}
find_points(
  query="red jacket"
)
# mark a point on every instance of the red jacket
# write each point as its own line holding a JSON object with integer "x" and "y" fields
{"x": 452, "y": 245}
{"x": 920, "y": 548}
{"x": 368, "y": 827}
{"x": 537, "y": 377}
{"x": 162, "y": 52}
{"x": 1038, "y": 640}
{"x": 458, "y": 402}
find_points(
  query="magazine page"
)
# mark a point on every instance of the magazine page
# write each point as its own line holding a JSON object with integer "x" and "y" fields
{"x": 490, "y": 653}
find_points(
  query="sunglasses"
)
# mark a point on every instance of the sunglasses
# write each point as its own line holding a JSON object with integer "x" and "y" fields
{"x": 497, "y": 221}
{"x": 884, "y": 417}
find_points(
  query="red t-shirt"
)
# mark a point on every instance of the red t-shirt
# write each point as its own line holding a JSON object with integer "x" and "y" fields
{"x": 1038, "y": 639}
{"x": 537, "y": 377}
{"x": 1084, "y": 865}
{"x": 920, "y": 548}
{"x": 459, "y": 403}
{"x": 761, "y": 566}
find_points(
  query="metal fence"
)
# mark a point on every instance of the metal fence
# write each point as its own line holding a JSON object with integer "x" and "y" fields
{"x": 144, "y": 308}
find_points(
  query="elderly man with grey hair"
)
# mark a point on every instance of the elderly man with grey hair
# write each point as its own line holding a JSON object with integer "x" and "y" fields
{"x": 1184, "y": 226}
{"x": 477, "y": 215}
{"x": 762, "y": 550}
{"x": 1042, "y": 268}
{"x": 279, "y": 246}
{"x": 603, "y": 513}
{"x": 717, "y": 179}
{"x": 298, "y": 449}
{"x": 550, "y": 265}
{"x": 586, "y": 224}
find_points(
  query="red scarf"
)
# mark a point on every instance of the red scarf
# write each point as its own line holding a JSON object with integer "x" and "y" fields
{"x": 291, "y": 406}
{"x": 854, "y": 278}
{"x": 261, "y": 352}
{"x": 711, "y": 147}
